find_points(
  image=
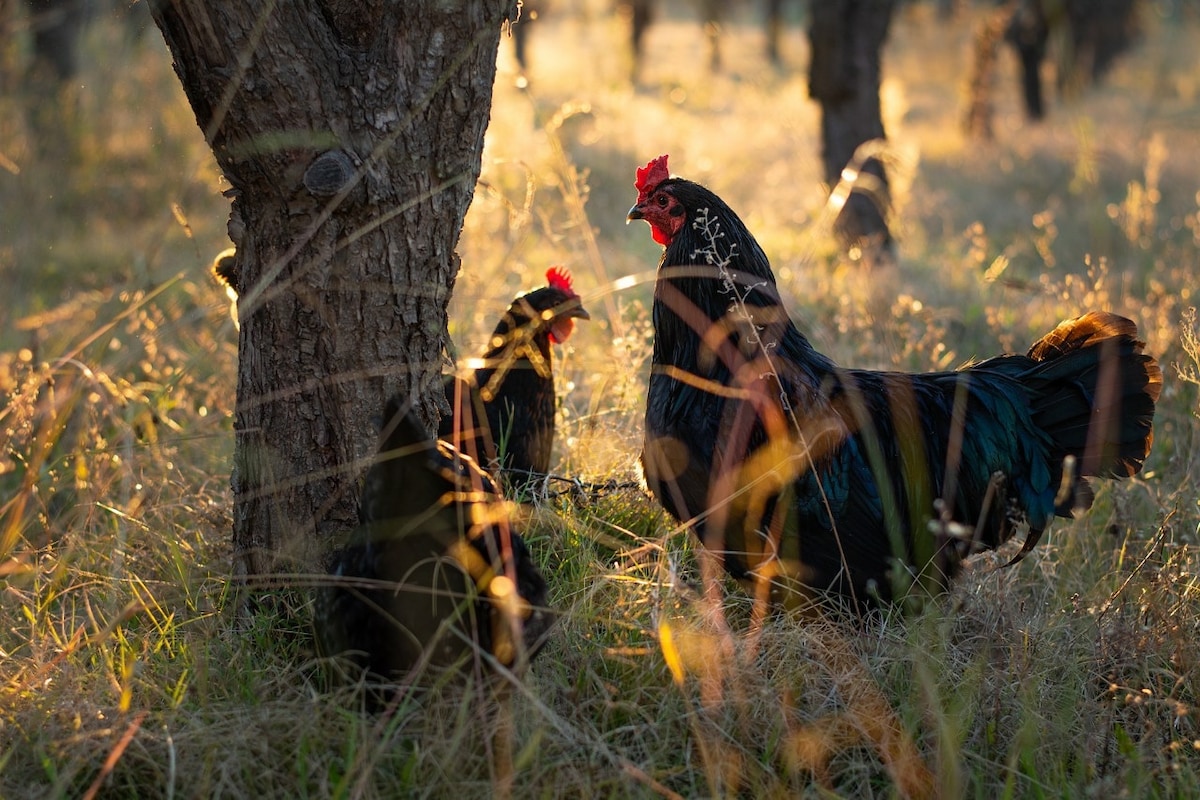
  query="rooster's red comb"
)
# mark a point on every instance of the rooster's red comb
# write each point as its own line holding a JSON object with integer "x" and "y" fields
{"x": 560, "y": 278}
{"x": 650, "y": 176}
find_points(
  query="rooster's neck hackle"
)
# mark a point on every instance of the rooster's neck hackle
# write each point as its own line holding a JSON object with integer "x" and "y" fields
{"x": 716, "y": 271}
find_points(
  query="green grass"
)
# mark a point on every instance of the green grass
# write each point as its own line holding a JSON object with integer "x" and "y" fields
{"x": 124, "y": 667}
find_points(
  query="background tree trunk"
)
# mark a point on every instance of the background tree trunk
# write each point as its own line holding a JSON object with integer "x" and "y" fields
{"x": 847, "y": 37}
{"x": 981, "y": 80}
{"x": 351, "y": 133}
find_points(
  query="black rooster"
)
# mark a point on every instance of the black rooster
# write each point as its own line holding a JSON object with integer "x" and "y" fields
{"x": 505, "y": 412}
{"x": 434, "y": 571}
{"x": 853, "y": 482}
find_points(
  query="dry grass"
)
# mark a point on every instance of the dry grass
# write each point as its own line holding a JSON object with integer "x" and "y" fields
{"x": 122, "y": 671}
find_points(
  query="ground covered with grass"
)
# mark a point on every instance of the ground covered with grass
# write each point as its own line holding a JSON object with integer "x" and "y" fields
{"x": 125, "y": 671}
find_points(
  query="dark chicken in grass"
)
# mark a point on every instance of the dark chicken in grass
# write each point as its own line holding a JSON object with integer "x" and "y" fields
{"x": 851, "y": 482}
{"x": 435, "y": 571}
{"x": 504, "y": 412}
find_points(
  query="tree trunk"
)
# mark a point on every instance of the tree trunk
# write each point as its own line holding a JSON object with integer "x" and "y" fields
{"x": 774, "y": 30}
{"x": 641, "y": 14}
{"x": 847, "y": 37}
{"x": 1028, "y": 31}
{"x": 351, "y": 133}
{"x": 56, "y": 26}
{"x": 981, "y": 78}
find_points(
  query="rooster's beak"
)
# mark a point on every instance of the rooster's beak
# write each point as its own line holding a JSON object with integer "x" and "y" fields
{"x": 634, "y": 213}
{"x": 572, "y": 309}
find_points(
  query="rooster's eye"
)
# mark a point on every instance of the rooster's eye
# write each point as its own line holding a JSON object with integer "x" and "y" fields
{"x": 661, "y": 200}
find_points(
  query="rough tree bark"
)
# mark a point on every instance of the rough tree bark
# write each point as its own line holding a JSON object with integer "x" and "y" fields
{"x": 847, "y": 37}
{"x": 351, "y": 133}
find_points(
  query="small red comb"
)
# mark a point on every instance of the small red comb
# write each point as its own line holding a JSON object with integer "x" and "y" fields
{"x": 560, "y": 278}
{"x": 650, "y": 176}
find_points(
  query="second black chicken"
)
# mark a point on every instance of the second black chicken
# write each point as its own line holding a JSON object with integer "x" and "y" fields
{"x": 503, "y": 413}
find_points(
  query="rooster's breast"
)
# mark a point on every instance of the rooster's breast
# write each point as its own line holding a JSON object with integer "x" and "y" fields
{"x": 680, "y": 444}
